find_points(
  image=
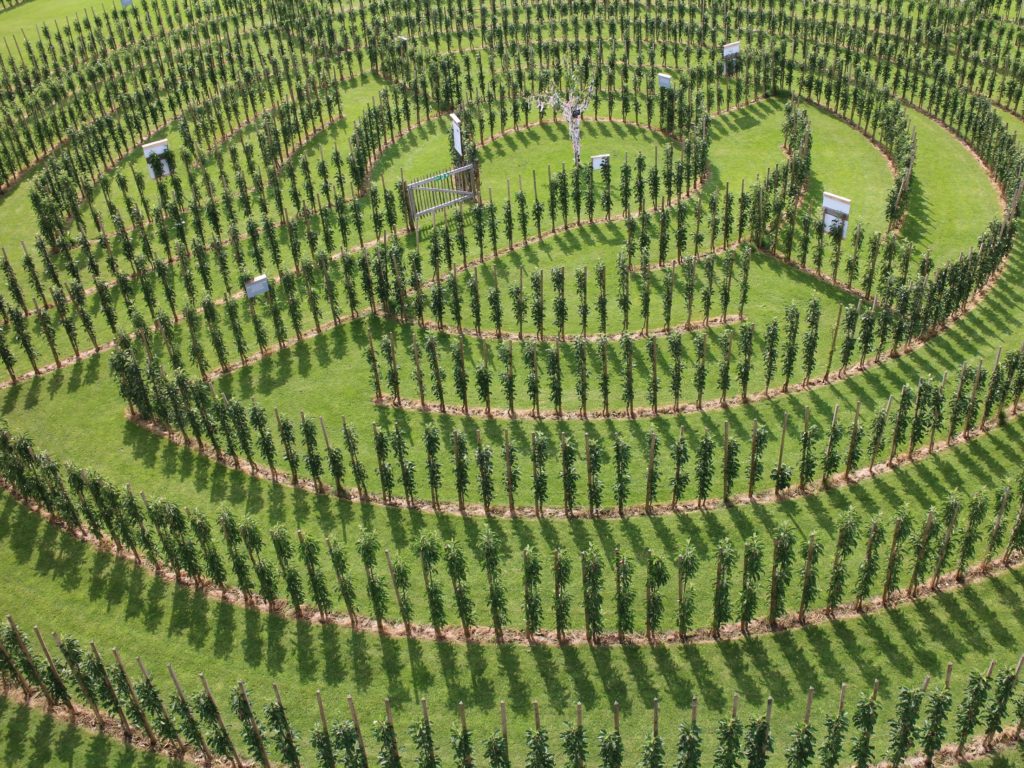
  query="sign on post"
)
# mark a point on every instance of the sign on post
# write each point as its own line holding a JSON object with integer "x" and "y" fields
{"x": 597, "y": 162}
{"x": 257, "y": 286}
{"x": 730, "y": 57}
{"x": 457, "y": 133}
{"x": 664, "y": 80}
{"x": 835, "y": 212}
{"x": 157, "y": 148}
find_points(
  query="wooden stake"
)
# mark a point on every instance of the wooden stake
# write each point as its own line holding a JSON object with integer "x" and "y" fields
{"x": 135, "y": 700}
{"x": 257, "y": 733}
{"x": 53, "y": 667}
{"x": 355, "y": 722}
{"x": 504, "y": 723}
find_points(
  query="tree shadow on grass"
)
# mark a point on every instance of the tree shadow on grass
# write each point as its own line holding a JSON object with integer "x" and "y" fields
{"x": 33, "y": 738}
{"x": 887, "y": 646}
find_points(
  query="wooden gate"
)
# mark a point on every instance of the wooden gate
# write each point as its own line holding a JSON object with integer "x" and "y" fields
{"x": 425, "y": 197}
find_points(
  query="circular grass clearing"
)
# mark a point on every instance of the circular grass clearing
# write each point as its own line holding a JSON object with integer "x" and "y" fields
{"x": 518, "y": 154}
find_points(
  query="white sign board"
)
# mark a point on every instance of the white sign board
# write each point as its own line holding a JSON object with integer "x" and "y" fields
{"x": 730, "y": 50}
{"x": 257, "y": 286}
{"x": 597, "y": 161}
{"x": 457, "y": 133}
{"x": 156, "y": 148}
{"x": 835, "y": 212}
{"x": 664, "y": 80}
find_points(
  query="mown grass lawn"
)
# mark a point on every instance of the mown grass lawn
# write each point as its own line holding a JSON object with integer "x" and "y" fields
{"x": 56, "y": 582}
{"x": 78, "y": 415}
{"x": 60, "y": 584}
{"x": 31, "y": 738}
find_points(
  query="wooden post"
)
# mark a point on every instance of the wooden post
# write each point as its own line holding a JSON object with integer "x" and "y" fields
{"x": 125, "y": 728}
{"x": 725, "y": 462}
{"x": 135, "y": 700}
{"x": 782, "y": 446}
{"x": 651, "y": 447}
{"x": 254, "y": 727}
{"x": 389, "y": 717}
{"x": 807, "y": 573}
{"x": 935, "y": 422}
{"x": 753, "y": 450}
{"x": 504, "y": 723}
{"x": 426, "y": 721}
{"x": 163, "y": 708}
{"x": 16, "y": 632}
{"x": 853, "y": 429}
{"x": 832, "y": 348}
{"x": 324, "y": 726}
{"x": 290, "y": 735}
{"x": 398, "y": 596}
{"x": 508, "y": 474}
{"x": 590, "y": 473}
{"x": 17, "y": 672}
{"x": 829, "y": 444}
{"x": 79, "y": 680}
{"x": 49, "y": 661}
{"x": 355, "y": 722}
{"x": 188, "y": 710}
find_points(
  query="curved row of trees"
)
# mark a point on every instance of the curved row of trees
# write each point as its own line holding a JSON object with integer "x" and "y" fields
{"x": 930, "y": 414}
{"x": 774, "y": 582}
{"x": 926, "y": 720}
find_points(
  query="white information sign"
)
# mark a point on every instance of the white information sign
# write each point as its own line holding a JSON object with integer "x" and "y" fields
{"x": 730, "y": 57}
{"x": 597, "y": 161}
{"x": 457, "y": 133}
{"x": 157, "y": 148}
{"x": 257, "y": 286}
{"x": 664, "y": 80}
{"x": 835, "y": 212}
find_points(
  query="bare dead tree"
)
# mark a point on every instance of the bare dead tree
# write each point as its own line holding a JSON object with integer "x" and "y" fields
{"x": 573, "y": 103}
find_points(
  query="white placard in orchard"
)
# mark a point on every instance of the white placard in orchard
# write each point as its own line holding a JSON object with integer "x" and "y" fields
{"x": 257, "y": 286}
{"x": 835, "y": 211}
{"x": 157, "y": 148}
{"x": 730, "y": 57}
{"x": 664, "y": 80}
{"x": 457, "y": 133}
{"x": 598, "y": 161}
